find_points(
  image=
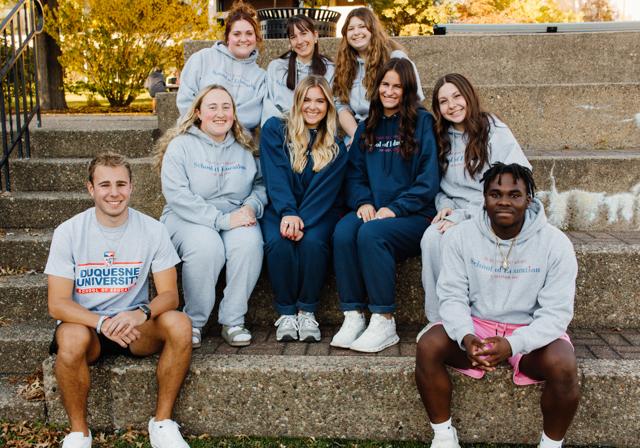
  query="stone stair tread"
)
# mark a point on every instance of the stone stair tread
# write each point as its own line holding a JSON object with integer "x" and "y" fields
{"x": 15, "y": 408}
{"x": 96, "y": 122}
{"x": 325, "y": 396}
{"x": 24, "y": 345}
{"x": 49, "y": 195}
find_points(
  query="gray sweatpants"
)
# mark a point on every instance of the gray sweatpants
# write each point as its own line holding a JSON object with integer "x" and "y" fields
{"x": 204, "y": 252}
{"x": 431, "y": 246}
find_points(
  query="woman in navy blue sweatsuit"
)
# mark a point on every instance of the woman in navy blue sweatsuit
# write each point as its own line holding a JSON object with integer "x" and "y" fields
{"x": 303, "y": 167}
{"x": 391, "y": 182}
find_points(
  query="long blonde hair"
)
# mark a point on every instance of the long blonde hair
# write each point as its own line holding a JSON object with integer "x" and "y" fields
{"x": 191, "y": 119}
{"x": 324, "y": 149}
{"x": 379, "y": 52}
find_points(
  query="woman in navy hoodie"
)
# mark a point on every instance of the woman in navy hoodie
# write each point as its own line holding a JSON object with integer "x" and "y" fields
{"x": 391, "y": 182}
{"x": 303, "y": 165}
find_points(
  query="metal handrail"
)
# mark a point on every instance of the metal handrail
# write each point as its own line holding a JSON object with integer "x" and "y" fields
{"x": 19, "y": 98}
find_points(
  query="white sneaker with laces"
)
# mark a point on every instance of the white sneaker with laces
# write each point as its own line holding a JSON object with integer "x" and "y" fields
{"x": 380, "y": 334}
{"x": 447, "y": 441}
{"x": 287, "y": 325}
{"x": 165, "y": 434}
{"x": 308, "y": 327}
{"x": 77, "y": 440}
{"x": 352, "y": 327}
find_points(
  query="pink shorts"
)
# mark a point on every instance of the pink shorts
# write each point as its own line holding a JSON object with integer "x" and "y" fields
{"x": 487, "y": 328}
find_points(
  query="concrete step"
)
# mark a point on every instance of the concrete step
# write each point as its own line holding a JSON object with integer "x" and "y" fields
{"x": 23, "y": 298}
{"x": 612, "y": 171}
{"x": 88, "y": 135}
{"x": 41, "y": 210}
{"x": 15, "y": 408}
{"x": 560, "y": 58}
{"x": 70, "y": 174}
{"x": 28, "y": 249}
{"x": 24, "y": 345}
{"x": 608, "y": 286}
{"x": 340, "y": 394}
{"x": 542, "y": 116}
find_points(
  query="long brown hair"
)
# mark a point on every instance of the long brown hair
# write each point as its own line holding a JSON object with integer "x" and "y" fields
{"x": 408, "y": 112}
{"x": 380, "y": 48}
{"x": 318, "y": 61}
{"x": 191, "y": 119}
{"x": 476, "y": 126}
{"x": 242, "y": 11}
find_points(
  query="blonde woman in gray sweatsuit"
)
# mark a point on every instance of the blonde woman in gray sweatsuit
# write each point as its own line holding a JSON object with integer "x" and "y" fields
{"x": 215, "y": 195}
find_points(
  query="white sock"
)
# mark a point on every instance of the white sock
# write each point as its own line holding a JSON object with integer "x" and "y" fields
{"x": 443, "y": 430}
{"x": 547, "y": 442}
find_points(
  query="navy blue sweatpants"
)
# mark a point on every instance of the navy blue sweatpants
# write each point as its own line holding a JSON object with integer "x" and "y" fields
{"x": 365, "y": 256}
{"x": 297, "y": 270}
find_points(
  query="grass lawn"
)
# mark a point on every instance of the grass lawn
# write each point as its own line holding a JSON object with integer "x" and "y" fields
{"x": 42, "y": 436}
{"x": 77, "y": 104}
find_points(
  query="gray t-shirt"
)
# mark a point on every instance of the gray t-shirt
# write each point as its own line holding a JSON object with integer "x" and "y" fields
{"x": 110, "y": 266}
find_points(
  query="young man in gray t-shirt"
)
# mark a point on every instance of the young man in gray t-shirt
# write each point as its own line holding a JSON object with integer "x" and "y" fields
{"x": 98, "y": 271}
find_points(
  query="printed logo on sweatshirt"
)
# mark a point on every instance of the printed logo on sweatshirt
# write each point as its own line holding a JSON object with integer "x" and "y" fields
{"x": 494, "y": 267}
{"x": 104, "y": 277}
{"x": 220, "y": 168}
{"x": 387, "y": 143}
{"x": 455, "y": 159}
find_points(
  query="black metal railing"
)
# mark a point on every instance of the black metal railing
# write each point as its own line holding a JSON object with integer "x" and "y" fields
{"x": 19, "y": 101}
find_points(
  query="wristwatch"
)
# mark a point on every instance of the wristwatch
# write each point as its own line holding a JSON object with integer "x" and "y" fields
{"x": 146, "y": 310}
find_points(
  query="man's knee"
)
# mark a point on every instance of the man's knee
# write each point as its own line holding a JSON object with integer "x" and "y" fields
{"x": 73, "y": 341}
{"x": 432, "y": 348}
{"x": 174, "y": 327}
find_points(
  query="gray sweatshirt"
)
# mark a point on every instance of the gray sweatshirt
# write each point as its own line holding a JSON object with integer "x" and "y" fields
{"x": 279, "y": 98}
{"x": 463, "y": 193}
{"x": 537, "y": 289}
{"x": 358, "y": 102}
{"x": 204, "y": 181}
{"x": 244, "y": 80}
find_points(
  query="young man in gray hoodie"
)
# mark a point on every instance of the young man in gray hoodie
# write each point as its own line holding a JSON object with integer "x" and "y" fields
{"x": 506, "y": 293}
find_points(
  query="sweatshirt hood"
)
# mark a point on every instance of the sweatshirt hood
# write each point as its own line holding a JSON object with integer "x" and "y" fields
{"x": 204, "y": 138}
{"x": 221, "y": 47}
{"x": 535, "y": 219}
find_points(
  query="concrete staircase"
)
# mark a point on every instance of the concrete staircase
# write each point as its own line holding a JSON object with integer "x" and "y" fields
{"x": 538, "y": 84}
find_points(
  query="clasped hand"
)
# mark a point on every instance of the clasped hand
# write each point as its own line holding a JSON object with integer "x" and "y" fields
{"x": 122, "y": 328}
{"x": 486, "y": 354}
{"x": 367, "y": 212}
{"x": 243, "y": 217}
{"x": 291, "y": 227}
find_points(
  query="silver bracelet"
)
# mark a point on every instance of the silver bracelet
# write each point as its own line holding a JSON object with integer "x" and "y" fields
{"x": 100, "y": 322}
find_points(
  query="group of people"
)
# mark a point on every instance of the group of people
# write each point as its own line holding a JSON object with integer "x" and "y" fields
{"x": 452, "y": 185}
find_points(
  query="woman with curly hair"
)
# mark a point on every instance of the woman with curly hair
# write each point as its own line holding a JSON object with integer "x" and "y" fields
{"x": 469, "y": 140}
{"x": 302, "y": 60}
{"x": 215, "y": 196}
{"x": 364, "y": 49}
{"x": 391, "y": 182}
{"x": 232, "y": 64}
{"x": 303, "y": 165}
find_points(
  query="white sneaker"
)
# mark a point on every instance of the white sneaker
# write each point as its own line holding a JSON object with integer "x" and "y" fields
{"x": 380, "y": 334}
{"x": 446, "y": 441}
{"x": 196, "y": 337}
{"x": 165, "y": 434}
{"x": 77, "y": 440}
{"x": 287, "y": 328}
{"x": 308, "y": 327}
{"x": 352, "y": 327}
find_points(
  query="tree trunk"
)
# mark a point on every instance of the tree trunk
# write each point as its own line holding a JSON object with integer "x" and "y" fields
{"x": 50, "y": 72}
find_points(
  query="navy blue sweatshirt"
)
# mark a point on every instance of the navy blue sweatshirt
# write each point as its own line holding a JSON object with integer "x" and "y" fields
{"x": 383, "y": 178}
{"x": 308, "y": 195}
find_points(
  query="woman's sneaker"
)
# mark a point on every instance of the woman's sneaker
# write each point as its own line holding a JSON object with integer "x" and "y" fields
{"x": 380, "y": 334}
{"x": 287, "y": 328}
{"x": 196, "y": 337}
{"x": 352, "y": 327}
{"x": 308, "y": 328}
